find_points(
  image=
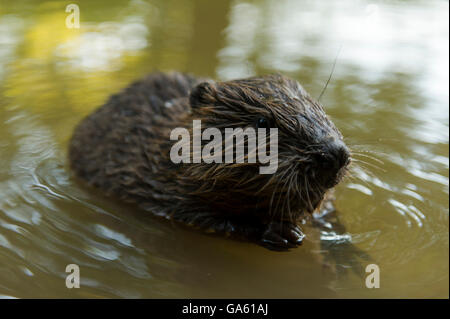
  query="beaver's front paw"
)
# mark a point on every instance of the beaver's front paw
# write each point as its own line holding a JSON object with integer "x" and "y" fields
{"x": 282, "y": 236}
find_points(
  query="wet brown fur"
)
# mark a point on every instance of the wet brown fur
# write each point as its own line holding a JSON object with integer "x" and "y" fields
{"x": 123, "y": 149}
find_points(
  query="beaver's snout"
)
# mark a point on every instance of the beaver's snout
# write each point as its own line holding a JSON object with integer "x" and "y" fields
{"x": 332, "y": 157}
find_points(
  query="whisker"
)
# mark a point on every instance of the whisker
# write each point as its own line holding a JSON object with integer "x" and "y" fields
{"x": 279, "y": 197}
{"x": 369, "y": 164}
{"x": 307, "y": 193}
{"x": 360, "y": 148}
{"x": 372, "y": 175}
{"x": 331, "y": 74}
{"x": 271, "y": 212}
{"x": 369, "y": 156}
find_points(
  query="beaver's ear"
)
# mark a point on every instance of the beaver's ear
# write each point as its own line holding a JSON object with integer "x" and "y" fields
{"x": 202, "y": 94}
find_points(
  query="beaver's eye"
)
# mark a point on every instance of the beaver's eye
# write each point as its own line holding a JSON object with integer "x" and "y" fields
{"x": 262, "y": 123}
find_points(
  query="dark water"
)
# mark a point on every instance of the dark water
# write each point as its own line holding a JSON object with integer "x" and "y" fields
{"x": 388, "y": 95}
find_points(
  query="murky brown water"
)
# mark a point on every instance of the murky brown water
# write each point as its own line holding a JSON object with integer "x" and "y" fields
{"x": 389, "y": 96}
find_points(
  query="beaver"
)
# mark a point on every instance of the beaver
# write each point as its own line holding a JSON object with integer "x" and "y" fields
{"x": 123, "y": 149}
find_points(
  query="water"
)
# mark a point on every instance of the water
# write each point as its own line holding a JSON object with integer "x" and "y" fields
{"x": 388, "y": 95}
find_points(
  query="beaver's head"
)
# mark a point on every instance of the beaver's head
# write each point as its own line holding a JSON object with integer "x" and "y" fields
{"x": 312, "y": 156}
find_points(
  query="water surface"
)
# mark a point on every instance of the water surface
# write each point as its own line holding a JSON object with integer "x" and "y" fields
{"x": 388, "y": 95}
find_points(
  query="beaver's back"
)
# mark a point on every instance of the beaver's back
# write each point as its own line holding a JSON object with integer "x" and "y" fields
{"x": 120, "y": 147}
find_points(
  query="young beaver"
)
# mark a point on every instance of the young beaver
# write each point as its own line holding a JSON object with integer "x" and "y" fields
{"x": 123, "y": 148}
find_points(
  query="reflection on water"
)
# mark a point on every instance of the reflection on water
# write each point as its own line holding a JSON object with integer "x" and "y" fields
{"x": 388, "y": 95}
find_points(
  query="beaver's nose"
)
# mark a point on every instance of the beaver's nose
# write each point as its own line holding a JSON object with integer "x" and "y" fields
{"x": 333, "y": 156}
